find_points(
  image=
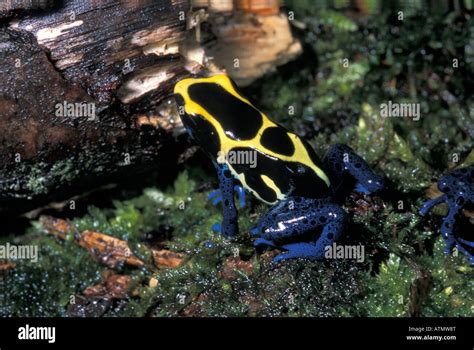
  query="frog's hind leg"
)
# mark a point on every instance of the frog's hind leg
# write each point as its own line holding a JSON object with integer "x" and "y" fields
{"x": 340, "y": 161}
{"x": 299, "y": 217}
{"x": 230, "y": 226}
{"x": 431, "y": 203}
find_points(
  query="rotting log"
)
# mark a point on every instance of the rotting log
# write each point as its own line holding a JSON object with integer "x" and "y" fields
{"x": 100, "y": 44}
{"x": 81, "y": 55}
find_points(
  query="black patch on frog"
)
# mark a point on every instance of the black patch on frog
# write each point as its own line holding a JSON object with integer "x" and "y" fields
{"x": 240, "y": 120}
{"x": 276, "y": 139}
{"x": 203, "y": 132}
{"x": 290, "y": 177}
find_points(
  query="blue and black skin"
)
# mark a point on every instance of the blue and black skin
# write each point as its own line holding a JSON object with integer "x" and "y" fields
{"x": 304, "y": 191}
{"x": 458, "y": 192}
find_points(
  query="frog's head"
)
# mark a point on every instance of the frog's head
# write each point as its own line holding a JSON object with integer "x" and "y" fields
{"x": 207, "y": 96}
{"x": 217, "y": 100}
{"x": 212, "y": 110}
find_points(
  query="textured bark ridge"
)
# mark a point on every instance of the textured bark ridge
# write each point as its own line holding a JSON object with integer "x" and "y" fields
{"x": 100, "y": 44}
{"x": 80, "y": 55}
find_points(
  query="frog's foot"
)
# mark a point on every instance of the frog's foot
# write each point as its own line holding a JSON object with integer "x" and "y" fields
{"x": 431, "y": 203}
{"x": 299, "y": 250}
{"x": 216, "y": 196}
{"x": 341, "y": 160}
{"x": 307, "y": 215}
{"x": 217, "y": 227}
{"x": 463, "y": 245}
{"x": 359, "y": 188}
{"x": 254, "y": 231}
{"x": 262, "y": 241}
{"x": 452, "y": 240}
{"x": 314, "y": 250}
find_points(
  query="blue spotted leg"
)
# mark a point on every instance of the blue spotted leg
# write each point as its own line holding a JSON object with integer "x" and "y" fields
{"x": 298, "y": 217}
{"x": 340, "y": 161}
{"x": 458, "y": 189}
{"x": 229, "y": 227}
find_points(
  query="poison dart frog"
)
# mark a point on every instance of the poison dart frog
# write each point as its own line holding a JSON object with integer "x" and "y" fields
{"x": 458, "y": 189}
{"x": 302, "y": 190}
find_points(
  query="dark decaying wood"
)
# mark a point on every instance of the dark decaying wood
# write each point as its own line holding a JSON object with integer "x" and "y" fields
{"x": 101, "y": 44}
{"x": 10, "y": 7}
{"x": 107, "y": 54}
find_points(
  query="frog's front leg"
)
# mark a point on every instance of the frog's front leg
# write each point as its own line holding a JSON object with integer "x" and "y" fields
{"x": 299, "y": 218}
{"x": 458, "y": 189}
{"x": 447, "y": 231}
{"x": 340, "y": 161}
{"x": 230, "y": 226}
{"x": 431, "y": 203}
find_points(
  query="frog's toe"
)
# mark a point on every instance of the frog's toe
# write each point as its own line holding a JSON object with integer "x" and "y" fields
{"x": 361, "y": 189}
{"x": 447, "y": 250}
{"x": 468, "y": 243}
{"x": 299, "y": 250}
{"x": 469, "y": 256}
{"x": 217, "y": 227}
{"x": 466, "y": 247}
{"x": 255, "y": 231}
{"x": 430, "y": 204}
{"x": 241, "y": 192}
{"x": 263, "y": 242}
{"x": 215, "y": 197}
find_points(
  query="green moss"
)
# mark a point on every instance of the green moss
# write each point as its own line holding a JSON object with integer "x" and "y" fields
{"x": 389, "y": 293}
{"x": 452, "y": 284}
{"x": 45, "y": 288}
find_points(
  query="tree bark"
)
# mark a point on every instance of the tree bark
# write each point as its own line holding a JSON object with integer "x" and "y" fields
{"x": 116, "y": 57}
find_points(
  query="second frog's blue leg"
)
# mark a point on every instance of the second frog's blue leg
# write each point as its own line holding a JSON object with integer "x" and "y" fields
{"x": 296, "y": 218}
{"x": 230, "y": 226}
{"x": 340, "y": 161}
{"x": 447, "y": 231}
{"x": 431, "y": 203}
{"x": 458, "y": 189}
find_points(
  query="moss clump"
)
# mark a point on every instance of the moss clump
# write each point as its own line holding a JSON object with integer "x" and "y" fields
{"x": 448, "y": 286}
{"x": 45, "y": 287}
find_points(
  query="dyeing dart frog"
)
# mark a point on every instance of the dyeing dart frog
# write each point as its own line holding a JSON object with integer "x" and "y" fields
{"x": 458, "y": 189}
{"x": 287, "y": 173}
